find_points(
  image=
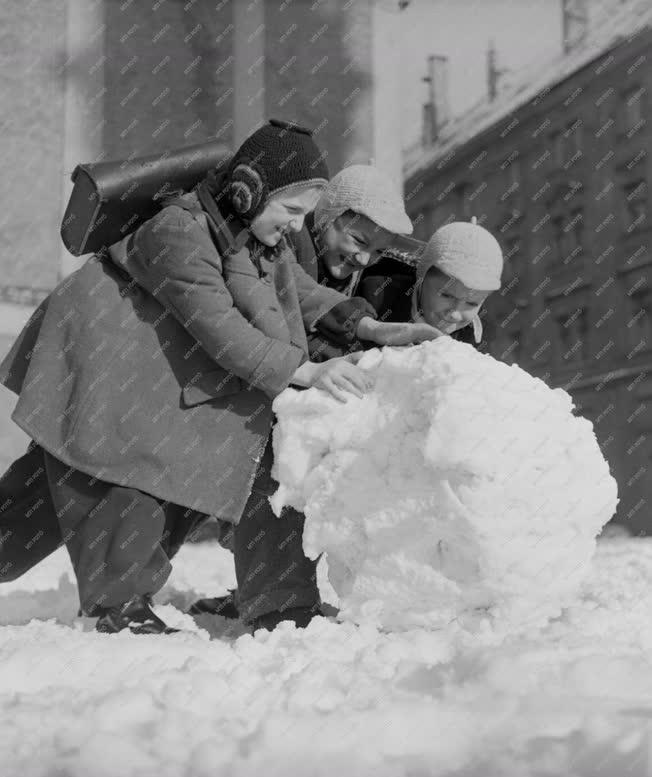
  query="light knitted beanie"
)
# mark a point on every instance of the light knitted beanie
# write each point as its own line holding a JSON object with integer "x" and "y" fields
{"x": 465, "y": 251}
{"x": 366, "y": 190}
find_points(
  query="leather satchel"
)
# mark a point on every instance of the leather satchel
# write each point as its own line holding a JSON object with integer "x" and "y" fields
{"x": 110, "y": 200}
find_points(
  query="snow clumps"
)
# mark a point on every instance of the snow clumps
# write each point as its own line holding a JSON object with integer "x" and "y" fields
{"x": 458, "y": 489}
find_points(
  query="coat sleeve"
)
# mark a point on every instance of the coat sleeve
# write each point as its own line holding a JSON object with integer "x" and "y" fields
{"x": 175, "y": 260}
{"x": 322, "y": 349}
{"x": 330, "y": 326}
{"x": 315, "y": 299}
{"x": 335, "y": 333}
{"x": 328, "y": 311}
{"x": 304, "y": 251}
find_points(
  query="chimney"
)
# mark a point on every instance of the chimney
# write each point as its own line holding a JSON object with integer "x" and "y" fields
{"x": 575, "y": 23}
{"x": 493, "y": 71}
{"x": 492, "y": 74}
{"x": 435, "y": 110}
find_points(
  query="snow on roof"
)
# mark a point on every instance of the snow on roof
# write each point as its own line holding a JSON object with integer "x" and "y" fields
{"x": 614, "y": 25}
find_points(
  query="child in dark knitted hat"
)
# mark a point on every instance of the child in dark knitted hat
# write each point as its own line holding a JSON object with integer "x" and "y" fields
{"x": 201, "y": 322}
{"x": 273, "y": 181}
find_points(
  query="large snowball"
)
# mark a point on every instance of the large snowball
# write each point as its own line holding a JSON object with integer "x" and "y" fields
{"x": 458, "y": 485}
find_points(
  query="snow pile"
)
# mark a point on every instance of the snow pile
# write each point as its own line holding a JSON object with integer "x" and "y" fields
{"x": 569, "y": 698}
{"x": 457, "y": 486}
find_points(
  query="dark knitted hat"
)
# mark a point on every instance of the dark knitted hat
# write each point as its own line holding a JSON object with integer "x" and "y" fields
{"x": 277, "y": 156}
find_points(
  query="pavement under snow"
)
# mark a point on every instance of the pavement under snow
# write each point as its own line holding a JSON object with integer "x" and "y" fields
{"x": 571, "y": 698}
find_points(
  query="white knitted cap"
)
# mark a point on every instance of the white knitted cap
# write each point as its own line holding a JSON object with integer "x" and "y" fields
{"x": 366, "y": 190}
{"x": 465, "y": 251}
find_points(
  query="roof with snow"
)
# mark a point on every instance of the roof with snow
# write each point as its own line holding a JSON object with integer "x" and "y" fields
{"x": 614, "y": 25}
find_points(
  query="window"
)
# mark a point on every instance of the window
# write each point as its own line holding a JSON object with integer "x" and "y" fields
{"x": 508, "y": 345}
{"x": 573, "y": 136}
{"x": 574, "y": 235}
{"x": 512, "y": 258}
{"x": 633, "y": 110}
{"x": 566, "y": 144}
{"x": 557, "y": 147}
{"x": 510, "y": 176}
{"x": 558, "y": 237}
{"x": 605, "y": 111}
{"x": 568, "y": 236}
{"x": 635, "y": 201}
{"x": 514, "y": 173}
{"x": 639, "y": 322}
{"x": 462, "y": 203}
{"x": 573, "y": 331}
{"x": 572, "y": 142}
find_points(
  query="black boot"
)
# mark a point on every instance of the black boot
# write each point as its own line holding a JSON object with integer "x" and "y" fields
{"x": 96, "y": 610}
{"x": 217, "y": 605}
{"x": 301, "y": 616}
{"x": 135, "y": 615}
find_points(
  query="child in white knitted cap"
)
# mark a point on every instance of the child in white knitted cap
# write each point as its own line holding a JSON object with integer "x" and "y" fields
{"x": 358, "y": 217}
{"x": 446, "y": 286}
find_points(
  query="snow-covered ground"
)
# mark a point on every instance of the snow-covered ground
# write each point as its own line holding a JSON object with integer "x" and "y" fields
{"x": 573, "y": 698}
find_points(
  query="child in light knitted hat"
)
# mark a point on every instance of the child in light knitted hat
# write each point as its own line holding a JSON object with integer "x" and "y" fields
{"x": 448, "y": 282}
{"x": 460, "y": 266}
{"x": 358, "y": 216}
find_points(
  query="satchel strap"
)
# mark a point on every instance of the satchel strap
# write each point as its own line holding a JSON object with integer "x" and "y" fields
{"x": 210, "y": 221}
{"x": 195, "y": 210}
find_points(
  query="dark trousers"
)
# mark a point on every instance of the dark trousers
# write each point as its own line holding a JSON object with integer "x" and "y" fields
{"x": 120, "y": 540}
{"x": 271, "y": 568}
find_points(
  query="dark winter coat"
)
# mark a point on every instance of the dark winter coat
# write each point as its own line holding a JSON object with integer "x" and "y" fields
{"x": 156, "y": 368}
{"x": 336, "y": 335}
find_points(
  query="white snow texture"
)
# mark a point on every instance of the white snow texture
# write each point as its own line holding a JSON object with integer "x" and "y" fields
{"x": 457, "y": 489}
{"x": 571, "y": 698}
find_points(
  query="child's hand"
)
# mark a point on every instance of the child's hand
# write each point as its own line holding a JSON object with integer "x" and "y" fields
{"x": 384, "y": 333}
{"x": 341, "y": 377}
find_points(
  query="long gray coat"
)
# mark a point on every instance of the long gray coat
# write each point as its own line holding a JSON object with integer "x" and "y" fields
{"x": 156, "y": 368}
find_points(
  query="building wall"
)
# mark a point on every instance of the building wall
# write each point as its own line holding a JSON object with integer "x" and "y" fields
{"x": 32, "y": 64}
{"x": 318, "y": 71}
{"x": 170, "y": 80}
{"x": 168, "y": 75}
{"x": 563, "y": 183}
{"x": 115, "y": 79}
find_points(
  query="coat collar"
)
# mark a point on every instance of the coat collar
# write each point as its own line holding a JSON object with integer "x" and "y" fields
{"x": 229, "y": 231}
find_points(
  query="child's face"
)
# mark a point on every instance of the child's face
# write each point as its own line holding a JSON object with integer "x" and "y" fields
{"x": 352, "y": 243}
{"x": 447, "y": 303}
{"x": 283, "y": 212}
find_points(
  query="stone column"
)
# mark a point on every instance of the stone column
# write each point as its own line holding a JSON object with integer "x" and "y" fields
{"x": 83, "y": 99}
{"x": 248, "y": 68}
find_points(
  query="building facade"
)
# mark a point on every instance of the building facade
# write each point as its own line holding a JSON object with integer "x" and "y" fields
{"x": 96, "y": 80}
{"x": 562, "y": 180}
